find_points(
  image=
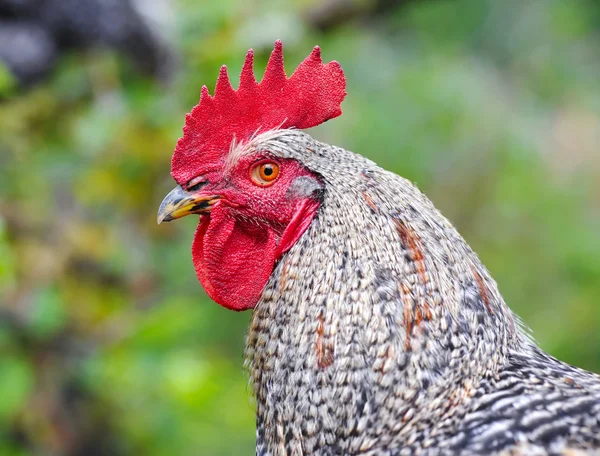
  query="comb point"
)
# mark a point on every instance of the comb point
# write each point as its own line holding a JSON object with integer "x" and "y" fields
{"x": 223, "y": 87}
{"x": 247, "y": 79}
{"x": 316, "y": 54}
{"x": 275, "y": 71}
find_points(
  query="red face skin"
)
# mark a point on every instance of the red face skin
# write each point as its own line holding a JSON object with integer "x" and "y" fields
{"x": 237, "y": 245}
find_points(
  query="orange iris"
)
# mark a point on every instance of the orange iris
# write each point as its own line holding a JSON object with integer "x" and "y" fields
{"x": 265, "y": 173}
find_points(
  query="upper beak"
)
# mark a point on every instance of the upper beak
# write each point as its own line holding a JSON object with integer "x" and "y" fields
{"x": 179, "y": 203}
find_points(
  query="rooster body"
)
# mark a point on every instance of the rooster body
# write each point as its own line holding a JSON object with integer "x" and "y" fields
{"x": 375, "y": 328}
{"x": 381, "y": 332}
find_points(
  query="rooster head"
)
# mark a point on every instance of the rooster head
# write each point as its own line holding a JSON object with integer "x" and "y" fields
{"x": 253, "y": 204}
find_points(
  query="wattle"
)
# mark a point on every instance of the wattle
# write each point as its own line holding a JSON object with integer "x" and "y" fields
{"x": 234, "y": 257}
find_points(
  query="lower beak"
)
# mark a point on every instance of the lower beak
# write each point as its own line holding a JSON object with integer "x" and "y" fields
{"x": 179, "y": 203}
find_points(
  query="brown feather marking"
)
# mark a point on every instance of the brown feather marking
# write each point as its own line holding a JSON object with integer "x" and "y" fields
{"x": 324, "y": 351}
{"x": 415, "y": 250}
{"x": 483, "y": 291}
{"x": 427, "y": 311}
{"x": 414, "y": 314}
{"x": 572, "y": 382}
{"x": 370, "y": 202}
{"x": 418, "y": 318}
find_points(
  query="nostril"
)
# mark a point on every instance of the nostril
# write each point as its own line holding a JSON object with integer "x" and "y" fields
{"x": 195, "y": 186}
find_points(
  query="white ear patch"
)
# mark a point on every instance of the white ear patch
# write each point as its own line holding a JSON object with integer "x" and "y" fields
{"x": 304, "y": 186}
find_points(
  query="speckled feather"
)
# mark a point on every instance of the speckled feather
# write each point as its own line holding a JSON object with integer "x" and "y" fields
{"x": 381, "y": 333}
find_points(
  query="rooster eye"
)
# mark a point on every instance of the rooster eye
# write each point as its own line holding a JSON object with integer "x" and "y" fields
{"x": 264, "y": 173}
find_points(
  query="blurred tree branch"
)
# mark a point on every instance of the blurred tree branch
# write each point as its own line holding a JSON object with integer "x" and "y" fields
{"x": 331, "y": 14}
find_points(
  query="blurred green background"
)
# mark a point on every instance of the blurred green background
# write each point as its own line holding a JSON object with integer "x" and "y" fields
{"x": 108, "y": 344}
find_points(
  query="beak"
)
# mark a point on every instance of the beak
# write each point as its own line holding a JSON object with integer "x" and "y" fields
{"x": 179, "y": 203}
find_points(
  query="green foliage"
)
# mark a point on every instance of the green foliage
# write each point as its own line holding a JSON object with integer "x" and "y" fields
{"x": 106, "y": 337}
{"x": 16, "y": 384}
{"x": 7, "y": 82}
{"x": 7, "y": 262}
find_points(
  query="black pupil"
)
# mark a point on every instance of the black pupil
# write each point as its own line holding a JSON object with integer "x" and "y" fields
{"x": 268, "y": 170}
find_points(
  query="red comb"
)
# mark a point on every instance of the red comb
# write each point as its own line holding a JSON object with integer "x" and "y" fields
{"x": 309, "y": 97}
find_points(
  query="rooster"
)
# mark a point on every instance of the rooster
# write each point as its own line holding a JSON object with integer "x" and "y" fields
{"x": 375, "y": 329}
